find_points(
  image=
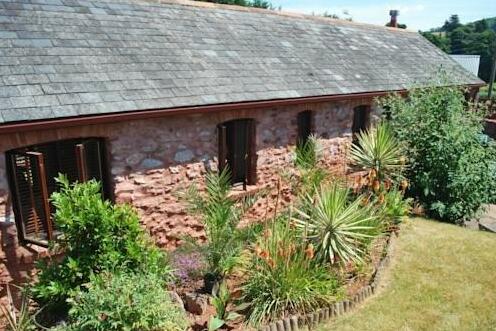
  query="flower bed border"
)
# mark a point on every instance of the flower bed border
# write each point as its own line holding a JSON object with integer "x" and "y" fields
{"x": 310, "y": 320}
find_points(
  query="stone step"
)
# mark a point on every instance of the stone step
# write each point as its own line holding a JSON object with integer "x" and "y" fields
{"x": 491, "y": 227}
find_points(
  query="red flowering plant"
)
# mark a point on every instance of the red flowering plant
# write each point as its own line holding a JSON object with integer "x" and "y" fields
{"x": 283, "y": 276}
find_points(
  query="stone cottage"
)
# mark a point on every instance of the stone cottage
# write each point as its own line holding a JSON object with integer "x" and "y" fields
{"x": 147, "y": 96}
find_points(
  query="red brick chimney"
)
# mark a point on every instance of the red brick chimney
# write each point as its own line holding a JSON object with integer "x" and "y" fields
{"x": 394, "y": 18}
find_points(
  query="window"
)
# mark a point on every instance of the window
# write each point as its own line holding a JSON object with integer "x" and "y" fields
{"x": 305, "y": 126}
{"x": 361, "y": 119}
{"x": 32, "y": 172}
{"x": 237, "y": 150}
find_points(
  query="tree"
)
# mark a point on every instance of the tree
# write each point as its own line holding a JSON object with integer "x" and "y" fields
{"x": 439, "y": 40}
{"x": 451, "y": 24}
{"x": 481, "y": 26}
{"x": 476, "y": 38}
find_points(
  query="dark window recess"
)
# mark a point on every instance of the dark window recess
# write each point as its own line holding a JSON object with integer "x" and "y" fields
{"x": 305, "y": 126}
{"x": 361, "y": 119}
{"x": 32, "y": 172}
{"x": 237, "y": 150}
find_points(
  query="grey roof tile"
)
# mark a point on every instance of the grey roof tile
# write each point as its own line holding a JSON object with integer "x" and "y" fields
{"x": 62, "y": 58}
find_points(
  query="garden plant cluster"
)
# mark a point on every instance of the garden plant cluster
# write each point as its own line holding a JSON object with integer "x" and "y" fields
{"x": 106, "y": 273}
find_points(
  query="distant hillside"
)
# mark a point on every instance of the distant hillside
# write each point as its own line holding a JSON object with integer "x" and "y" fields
{"x": 477, "y": 38}
{"x": 491, "y": 22}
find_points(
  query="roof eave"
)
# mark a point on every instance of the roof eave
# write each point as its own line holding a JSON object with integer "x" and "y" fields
{"x": 24, "y": 126}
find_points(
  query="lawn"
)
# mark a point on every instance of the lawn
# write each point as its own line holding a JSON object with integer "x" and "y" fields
{"x": 443, "y": 277}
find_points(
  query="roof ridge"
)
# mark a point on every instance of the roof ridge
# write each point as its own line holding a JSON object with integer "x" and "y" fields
{"x": 282, "y": 13}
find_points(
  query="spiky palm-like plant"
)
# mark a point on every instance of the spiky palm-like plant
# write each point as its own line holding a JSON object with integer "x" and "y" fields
{"x": 220, "y": 215}
{"x": 307, "y": 153}
{"x": 17, "y": 320}
{"x": 340, "y": 228}
{"x": 378, "y": 150}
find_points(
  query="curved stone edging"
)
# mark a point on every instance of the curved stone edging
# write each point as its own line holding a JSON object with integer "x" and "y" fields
{"x": 310, "y": 320}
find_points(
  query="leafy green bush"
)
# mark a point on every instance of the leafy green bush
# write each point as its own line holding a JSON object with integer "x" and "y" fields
{"x": 282, "y": 276}
{"x": 95, "y": 236}
{"x": 221, "y": 298}
{"x": 220, "y": 215}
{"x": 450, "y": 170}
{"x": 395, "y": 206}
{"x": 340, "y": 228}
{"x": 125, "y": 302}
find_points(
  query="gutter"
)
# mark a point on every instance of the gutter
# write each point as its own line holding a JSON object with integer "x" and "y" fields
{"x": 163, "y": 112}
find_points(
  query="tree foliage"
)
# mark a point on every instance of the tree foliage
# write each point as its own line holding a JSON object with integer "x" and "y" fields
{"x": 95, "y": 236}
{"x": 477, "y": 38}
{"x": 451, "y": 169}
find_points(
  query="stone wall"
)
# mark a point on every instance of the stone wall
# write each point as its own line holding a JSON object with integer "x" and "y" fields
{"x": 150, "y": 160}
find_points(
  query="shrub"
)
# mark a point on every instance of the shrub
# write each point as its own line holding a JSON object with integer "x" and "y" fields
{"x": 95, "y": 236}
{"x": 283, "y": 278}
{"x": 395, "y": 206}
{"x": 125, "y": 302}
{"x": 220, "y": 215}
{"x": 340, "y": 228}
{"x": 377, "y": 150}
{"x": 450, "y": 170}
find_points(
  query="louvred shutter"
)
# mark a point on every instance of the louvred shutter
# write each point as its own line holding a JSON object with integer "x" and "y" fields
{"x": 222, "y": 146}
{"x": 89, "y": 160}
{"x": 31, "y": 193}
{"x": 252, "y": 153}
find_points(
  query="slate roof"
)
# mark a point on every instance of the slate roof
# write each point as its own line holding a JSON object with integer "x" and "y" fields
{"x": 64, "y": 58}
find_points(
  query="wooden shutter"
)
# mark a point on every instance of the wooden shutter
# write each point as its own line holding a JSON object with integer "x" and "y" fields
{"x": 81, "y": 163}
{"x": 222, "y": 146}
{"x": 31, "y": 193}
{"x": 89, "y": 159}
{"x": 252, "y": 153}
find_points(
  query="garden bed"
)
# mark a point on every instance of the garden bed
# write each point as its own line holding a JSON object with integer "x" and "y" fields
{"x": 358, "y": 285}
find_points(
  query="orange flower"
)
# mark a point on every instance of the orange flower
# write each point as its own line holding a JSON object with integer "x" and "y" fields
{"x": 387, "y": 184}
{"x": 310, "y": 252}
{"x": 377, "y": 185}
{"x": 258, "y": 250}
{"x": 264, "y": 254}
{"x": 372, "y": 174}
{"x": 291, "y": 248}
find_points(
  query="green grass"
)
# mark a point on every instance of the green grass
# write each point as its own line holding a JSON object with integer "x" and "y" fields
{"x": 443, "y": 277}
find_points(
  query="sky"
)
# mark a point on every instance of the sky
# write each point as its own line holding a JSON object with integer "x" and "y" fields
{"x": 416, "y": 14}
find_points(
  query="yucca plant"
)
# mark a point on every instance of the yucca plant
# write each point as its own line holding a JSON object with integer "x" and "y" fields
{"x": 283, "y": 277}
{"x": 17, "y": 319}
{"x": 379, "y": 152}
{"x": 307, "y": 153}
{"x": 338, "y": 225}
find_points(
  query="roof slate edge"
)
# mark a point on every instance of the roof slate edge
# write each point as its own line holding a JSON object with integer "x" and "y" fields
{"x": 282, "y": 13}
{"x": 72, "y": 121}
